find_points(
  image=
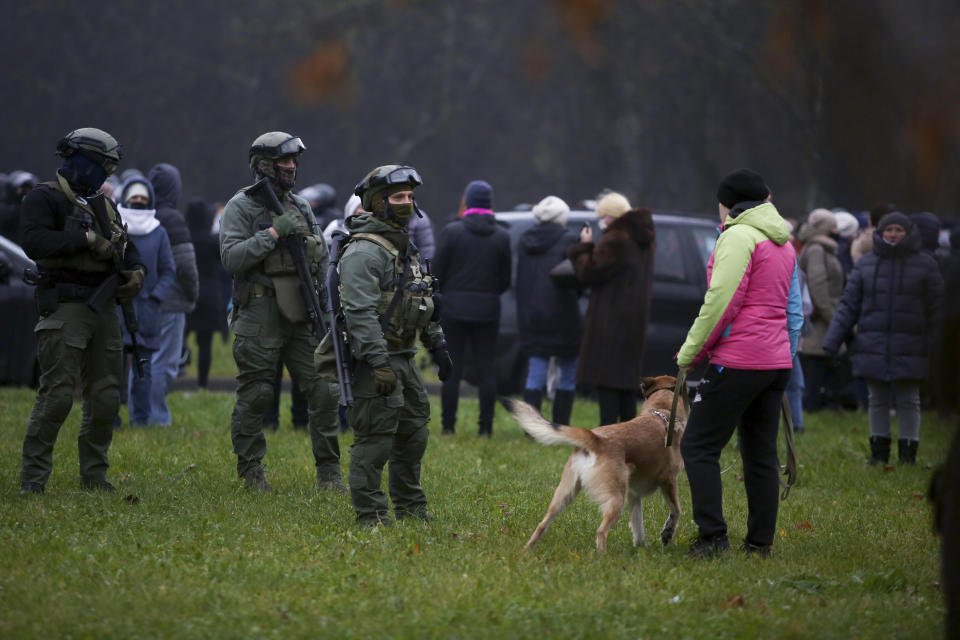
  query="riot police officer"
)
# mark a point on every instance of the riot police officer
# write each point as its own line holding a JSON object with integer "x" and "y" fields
{"x": 269, "y": 318}
{"x": 85, "y": 265}
{"x": 387, "y": 299}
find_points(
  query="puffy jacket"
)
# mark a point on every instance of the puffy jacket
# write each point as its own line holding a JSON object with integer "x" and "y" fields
{"x": 165, "y": 179}
{"x": 751, "y": 314}
{"x": 473, "y": 264}
{"x": 548, "y": 317}
{"x": 894, "y": 299}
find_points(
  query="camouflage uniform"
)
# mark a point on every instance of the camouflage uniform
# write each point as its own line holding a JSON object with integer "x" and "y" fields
{"x": 387, "y": 427}
{"x": 264, "y": 281}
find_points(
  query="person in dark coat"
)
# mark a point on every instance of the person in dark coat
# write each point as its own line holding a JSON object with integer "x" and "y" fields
{"x": 548, "y": 316}
{"x": 949, "y": 375}
{"x": 893, "y": 298}
{"x": 619, "y": 271}
{"x": 473, "y": 265}
{"x": 210, "y": 313}
{"x": 182, "y": 297}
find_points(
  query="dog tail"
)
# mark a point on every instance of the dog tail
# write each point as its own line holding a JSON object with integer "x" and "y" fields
{"x": 546, "y": 432}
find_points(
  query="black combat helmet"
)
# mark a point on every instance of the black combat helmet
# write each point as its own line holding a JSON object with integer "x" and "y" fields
{"x": 96, "y": 144}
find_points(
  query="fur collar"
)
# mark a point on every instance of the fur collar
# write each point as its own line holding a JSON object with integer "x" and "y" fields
{"x": 637, "y": 224}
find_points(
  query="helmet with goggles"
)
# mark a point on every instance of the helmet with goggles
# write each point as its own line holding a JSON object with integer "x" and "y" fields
{"x": 96, "y": 144}
{"x": 273, "y": 145}
{"x": 388, "y": 178}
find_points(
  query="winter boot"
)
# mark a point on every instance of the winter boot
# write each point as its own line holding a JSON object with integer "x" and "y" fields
{"x": 562, "y": 407}
{"x": 533, "y": 397}
{"x": 879, "y": 450}
{"x": 907, "y": 450}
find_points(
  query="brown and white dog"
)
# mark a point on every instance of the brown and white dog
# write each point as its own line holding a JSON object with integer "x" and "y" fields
{"x": 616, "y": 463}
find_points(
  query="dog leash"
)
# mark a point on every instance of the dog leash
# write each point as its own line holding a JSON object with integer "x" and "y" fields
{"x": 680, "y": 389}
{"x": 790, "y": 470}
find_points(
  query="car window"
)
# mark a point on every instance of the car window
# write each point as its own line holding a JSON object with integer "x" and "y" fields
{"x": 668, "y": 261}
{"x": 706, "y": 240}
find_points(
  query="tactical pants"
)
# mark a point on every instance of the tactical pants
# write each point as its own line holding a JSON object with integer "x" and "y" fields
{"x": 264, "y": 338}
{"x": 388, "y": 429}
{"x": 75, "y": 344}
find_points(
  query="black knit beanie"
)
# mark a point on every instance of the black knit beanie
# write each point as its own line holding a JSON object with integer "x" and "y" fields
{"x": 742, "y": 185}
{"x": 896, "y": 217}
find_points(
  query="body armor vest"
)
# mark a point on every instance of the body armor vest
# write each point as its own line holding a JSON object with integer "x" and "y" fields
{"x": 82, "y": 218}
{"x": 415, "y": 309}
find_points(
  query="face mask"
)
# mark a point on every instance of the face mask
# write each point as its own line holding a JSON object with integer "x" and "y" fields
{"x": 402, "y": 211}
{"x": 281, "y": 178}
{"x": 84, "y": 174}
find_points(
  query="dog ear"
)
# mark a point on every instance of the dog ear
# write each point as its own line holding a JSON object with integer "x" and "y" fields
{"x": 645, "y": 384}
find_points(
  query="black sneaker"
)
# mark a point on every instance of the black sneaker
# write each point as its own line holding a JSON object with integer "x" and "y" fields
{"x": 31, "y": 488}
{"x": 254, "y": 479}
{"x": 758, "y": 550}
{"x": 97, "y": 485}
{"x": 704, "y": 549}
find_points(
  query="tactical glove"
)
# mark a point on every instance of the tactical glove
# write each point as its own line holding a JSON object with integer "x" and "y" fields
{"x": 286, "y": 224}
{"x": 385, "y": 380}
{"x": 441, "y": 357}
{"x": 101, "y": 247}
{"x": 132, "y": 283}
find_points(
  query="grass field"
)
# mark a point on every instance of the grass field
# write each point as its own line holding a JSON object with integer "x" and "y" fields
{"x": 182, "y": 551}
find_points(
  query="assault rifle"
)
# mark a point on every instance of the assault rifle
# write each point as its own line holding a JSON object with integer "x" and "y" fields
{"x": 338, "y": 329}
{"x": 309, "y": 287}
{"x": 107, "y": 290}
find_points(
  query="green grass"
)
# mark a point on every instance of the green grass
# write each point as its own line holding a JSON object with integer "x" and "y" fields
{"x": 182, "y": 551}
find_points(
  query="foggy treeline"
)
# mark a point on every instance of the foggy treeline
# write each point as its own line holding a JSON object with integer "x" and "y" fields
{"x": 840, "y": 103}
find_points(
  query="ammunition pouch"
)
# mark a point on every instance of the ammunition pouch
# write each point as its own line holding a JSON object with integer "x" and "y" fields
{"x": 289, "y": 298}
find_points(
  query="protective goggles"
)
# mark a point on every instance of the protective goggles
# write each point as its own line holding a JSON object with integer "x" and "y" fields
{"x": 289, "y": 147}
{"x": 403, "y": 175}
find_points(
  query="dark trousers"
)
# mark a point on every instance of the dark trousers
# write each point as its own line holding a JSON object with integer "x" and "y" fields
{"x": 298, "y": 403}
{"x": 616, "y": 405}
{"x": 482, "y": 338}
{"x": 817, "y": 374}
{"x": 204, "y": 357}
{"x": 726, "y": 400}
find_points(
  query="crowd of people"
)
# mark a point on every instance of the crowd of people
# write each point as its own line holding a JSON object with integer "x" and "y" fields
{"x": 871, "y": 284}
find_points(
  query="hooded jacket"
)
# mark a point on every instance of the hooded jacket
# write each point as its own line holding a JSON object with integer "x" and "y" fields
{"x": 751, "y": 314}
{"x": 618, "y": 268}
{"x": 548, "y": 317}
{"x": 165, "y": 179}
{"x": 818, "y": 260}
{"x": 154, "y": 246}
{"x": 473, "y": 263}
{"x": 894, "y": 299}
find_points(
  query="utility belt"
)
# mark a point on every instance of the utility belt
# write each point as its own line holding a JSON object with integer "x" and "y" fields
{"x": 68, "y": 292}
{"x": 258, "y": 290}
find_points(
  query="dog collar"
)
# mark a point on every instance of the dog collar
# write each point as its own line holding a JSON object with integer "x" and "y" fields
{"x": 654, "y": 390}
{"x": 661, "y": 415}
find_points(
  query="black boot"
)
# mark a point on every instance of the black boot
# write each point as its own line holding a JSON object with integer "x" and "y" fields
{"x": 562, "y": 406}
{"x": 907, "y": 450}
{"x": 879, "y": 450}
{"x": 533, "y": 397}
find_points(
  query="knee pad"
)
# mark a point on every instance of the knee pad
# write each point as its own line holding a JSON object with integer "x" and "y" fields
{"x": 104, "y": 405}
{"x": 261, "y": 397}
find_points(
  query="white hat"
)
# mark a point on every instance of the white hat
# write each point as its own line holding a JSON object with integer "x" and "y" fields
{"x": 612, "y": 205}
{"x": 136, "y": 189}
{"x": 552, "y": 209}
{"x": 847, "y": 224}
{"x": 353, "y": 203}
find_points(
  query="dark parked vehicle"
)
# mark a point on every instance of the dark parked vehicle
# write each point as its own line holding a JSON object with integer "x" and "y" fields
{"x": 684, "y": 244}
{"x": 18, "y": 361}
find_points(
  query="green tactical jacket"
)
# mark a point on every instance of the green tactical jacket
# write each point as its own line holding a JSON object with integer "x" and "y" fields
{"x": 367, "y": 271}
